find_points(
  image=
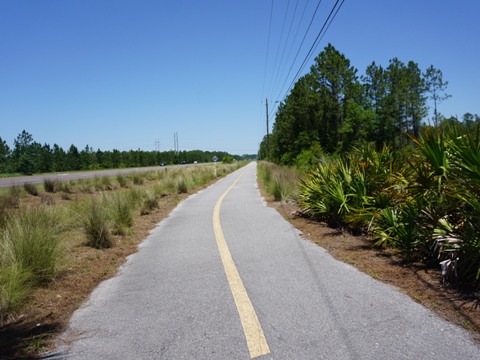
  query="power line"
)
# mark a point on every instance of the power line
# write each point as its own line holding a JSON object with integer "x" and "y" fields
{"x": 285, "y": 46}
{"x": 279, "y": 43}
{"x": 326, "y": 25}
{"x": 268, "y": 46}
{"x": 303, "y": 40}
{"x": 295, "y": 38}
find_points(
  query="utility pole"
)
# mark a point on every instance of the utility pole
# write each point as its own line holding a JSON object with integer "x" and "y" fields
{"x": 268, "y": 144}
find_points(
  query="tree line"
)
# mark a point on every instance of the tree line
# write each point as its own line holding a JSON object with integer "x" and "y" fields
{"x": 332, "y": 109}
{"x": 29, "y": 157}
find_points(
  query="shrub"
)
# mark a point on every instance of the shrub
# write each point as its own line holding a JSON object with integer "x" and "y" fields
{"x": 227, "y": 159}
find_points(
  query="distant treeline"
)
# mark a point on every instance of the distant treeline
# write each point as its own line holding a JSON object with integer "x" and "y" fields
{"x": 29, "y": 157}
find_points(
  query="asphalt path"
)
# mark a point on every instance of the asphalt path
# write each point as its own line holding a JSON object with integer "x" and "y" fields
{"x": 39, "y": 179}
{"x": 226, "y": 277}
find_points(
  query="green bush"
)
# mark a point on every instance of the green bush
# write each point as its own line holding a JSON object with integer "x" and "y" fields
{"x": 227, "y": 159}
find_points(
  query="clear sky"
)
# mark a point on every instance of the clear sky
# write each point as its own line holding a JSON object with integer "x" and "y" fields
{"x": 125, "y": 73}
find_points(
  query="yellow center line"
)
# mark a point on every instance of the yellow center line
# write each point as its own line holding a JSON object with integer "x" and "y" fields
{"x": 256, "y": 342}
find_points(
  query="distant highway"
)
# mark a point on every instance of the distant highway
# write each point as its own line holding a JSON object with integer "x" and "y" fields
{"x": 39, "y": 179}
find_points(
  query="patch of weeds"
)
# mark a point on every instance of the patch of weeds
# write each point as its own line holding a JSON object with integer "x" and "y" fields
{"x": 47, "y": 200}
{"x": 51, "y": 186}
{"x": 85, "y": 186}
{"x": 121, "y": 214}
{"x": 466, "y": 323}
{"x": 30, "y": 189}
{"x": 138, "y": 179}
{"x": 122, "y": 180}
{"x": 66, "y": 187}
{"x": 66, "y": 196}
{"x": 149, "y": 204}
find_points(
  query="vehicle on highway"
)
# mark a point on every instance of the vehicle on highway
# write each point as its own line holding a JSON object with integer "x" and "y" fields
{"x": 163, "y": 163}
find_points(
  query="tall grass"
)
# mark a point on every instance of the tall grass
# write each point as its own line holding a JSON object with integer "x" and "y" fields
{"x": 30, "y": 189}
{"x": 150, "y": 203}
{"x": 121, "y": 213}
{"x": 85, "y": 186}
{"x": 138, "y": 179}
{"x": 51, "y": 186}
{"x": 31, "y": 237}
{"x": 279, "y": 182}
{"x": 29, "y": 253}
{"x": 122, "y": 180}
{"x": 9, "y": 202}
{"x": 96, "y": 224}
{"x": 15, "y": 286}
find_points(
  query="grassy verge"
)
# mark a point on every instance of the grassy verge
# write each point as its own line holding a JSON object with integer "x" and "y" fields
{"x": 57, "y": 246}
{"x": 278, "y": 181}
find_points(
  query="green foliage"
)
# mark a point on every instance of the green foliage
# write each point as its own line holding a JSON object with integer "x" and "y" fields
{"x": 424, "y": 202}
{"x": 334, "y": 107}
{"x": 227, "y": 159}
{"x": 307, "y": 159}
{"x": 398, "y": 227}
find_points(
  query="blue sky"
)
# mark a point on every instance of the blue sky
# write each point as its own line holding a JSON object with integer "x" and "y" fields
{"x": 123, "y": 74}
